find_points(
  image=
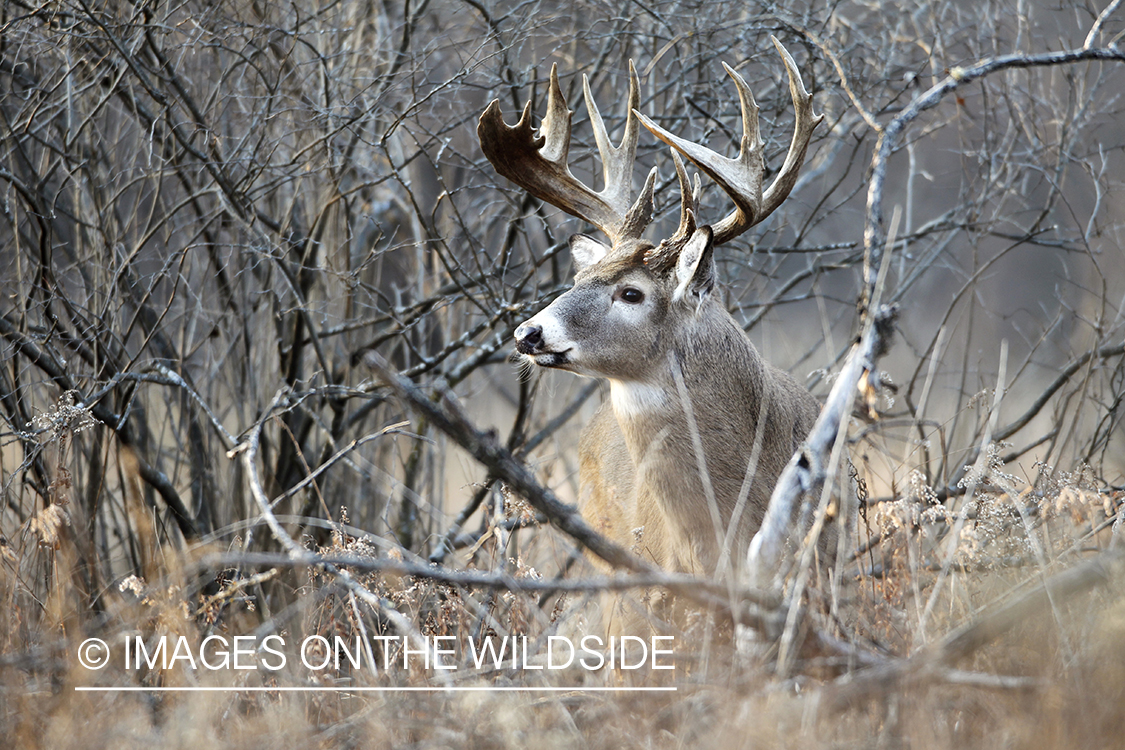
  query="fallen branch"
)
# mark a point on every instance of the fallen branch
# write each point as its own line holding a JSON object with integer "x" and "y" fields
{"x": 469, "y": 578}
{"x": 808, "y": 470}
{"x": 447, "y": 416}
{"x": 748, "y": 606}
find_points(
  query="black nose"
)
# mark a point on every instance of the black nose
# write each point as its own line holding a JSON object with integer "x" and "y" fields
{"x": 528, "y": 338}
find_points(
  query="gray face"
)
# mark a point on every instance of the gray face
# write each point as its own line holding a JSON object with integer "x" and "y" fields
{"x": 619, "y": 316}
{"x": 608, "y": 325}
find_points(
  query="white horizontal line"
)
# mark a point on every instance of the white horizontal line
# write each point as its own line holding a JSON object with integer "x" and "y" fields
{"x": 450, "y": 689}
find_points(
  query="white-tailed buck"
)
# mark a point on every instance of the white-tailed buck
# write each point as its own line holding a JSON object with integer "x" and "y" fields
{"x": 680, "y": 463}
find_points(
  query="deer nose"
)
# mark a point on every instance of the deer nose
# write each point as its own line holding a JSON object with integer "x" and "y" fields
{"x": 528, "y": 338}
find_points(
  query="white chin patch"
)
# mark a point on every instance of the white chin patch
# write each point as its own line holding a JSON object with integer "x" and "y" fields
{"x": 634, "y": 399}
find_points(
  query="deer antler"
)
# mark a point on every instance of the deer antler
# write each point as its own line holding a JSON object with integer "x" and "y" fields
{"x": 538, "y": 163}
{"x": 741, "y": 177}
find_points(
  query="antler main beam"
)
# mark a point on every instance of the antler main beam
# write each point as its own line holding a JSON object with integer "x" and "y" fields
{"x": 538, "y": 163}
{"x": 741, "y": 177}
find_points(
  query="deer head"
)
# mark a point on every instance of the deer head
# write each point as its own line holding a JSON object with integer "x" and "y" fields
{"x": 632, "y": 282}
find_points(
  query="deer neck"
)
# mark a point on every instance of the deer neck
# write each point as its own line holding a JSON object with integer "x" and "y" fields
{"x": 708, "y": 384}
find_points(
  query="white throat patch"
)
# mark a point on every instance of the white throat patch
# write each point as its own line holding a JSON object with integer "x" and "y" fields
{"x": 633, "y": 399}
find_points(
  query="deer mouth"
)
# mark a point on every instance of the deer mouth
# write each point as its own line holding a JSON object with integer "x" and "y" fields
{"x": 550, "y": 359}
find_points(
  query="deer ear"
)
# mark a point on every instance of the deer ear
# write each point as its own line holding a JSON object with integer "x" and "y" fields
{"x": 585, "y": 251}
{"x": 695, "y": 268}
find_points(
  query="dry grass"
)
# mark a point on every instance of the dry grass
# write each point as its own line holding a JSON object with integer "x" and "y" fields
{"x": 1054, "y": 679}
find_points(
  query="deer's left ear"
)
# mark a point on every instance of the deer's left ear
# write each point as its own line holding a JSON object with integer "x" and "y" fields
{"x": 585, "y": 251}
{"x": 695, "y": 268}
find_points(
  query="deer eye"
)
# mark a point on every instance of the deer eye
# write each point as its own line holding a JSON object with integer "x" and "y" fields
{"x": 632, "y": 295}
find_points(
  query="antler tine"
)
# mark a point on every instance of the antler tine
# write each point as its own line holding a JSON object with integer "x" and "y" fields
{"x": 741, "y": 177}
{"x": 555, "y": 127}
{"x": 806, "y": 122}
{"x": 617, "y": 161}
{"x": 539, "y": 164}
{"x": 664, "y": 256}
